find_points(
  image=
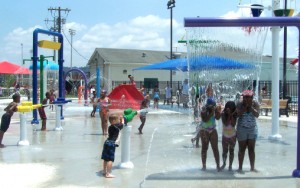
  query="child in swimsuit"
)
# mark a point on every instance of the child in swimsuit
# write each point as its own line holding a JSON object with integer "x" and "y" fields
{"x": 208, "y": 132}
{"x": 229, "y": 118}
{"x": 6, "y": 117}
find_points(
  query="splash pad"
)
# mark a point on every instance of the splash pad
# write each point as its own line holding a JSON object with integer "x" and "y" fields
{"x": 170, "y": 161}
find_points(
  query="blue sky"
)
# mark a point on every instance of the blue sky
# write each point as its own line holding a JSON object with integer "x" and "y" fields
{"x": 132, "y": 24}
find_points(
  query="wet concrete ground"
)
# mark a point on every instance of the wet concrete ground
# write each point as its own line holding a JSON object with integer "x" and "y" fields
{"x": 163, "y": 156}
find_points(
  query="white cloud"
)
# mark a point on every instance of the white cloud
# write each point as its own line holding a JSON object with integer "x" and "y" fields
{"x": 13, "y": 41}
{"x": 144, "y": 32}
{"x": 148, "y": 32}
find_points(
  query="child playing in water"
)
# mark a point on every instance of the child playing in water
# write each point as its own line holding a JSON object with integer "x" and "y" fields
{"x": 109, "y": 147}
{"x": 104, "y": 103}
{"x": 246, "y": 128}
{"x": 6, "y": 117}
{"x": 155, "y": 97}
{"x": 147, "y": 98}
{"x": 229, "y": 117}
{"x": 143, "y": 112}
{"x": 93, "y": 102}
{"x": 208, "y": 132}
{"x": 42, "y": 112}
{"x": 197, "y": 121}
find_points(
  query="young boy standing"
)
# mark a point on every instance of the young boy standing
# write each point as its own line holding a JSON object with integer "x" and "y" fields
{"x": 6, "y": 117}
{"x": 109, "y": 147}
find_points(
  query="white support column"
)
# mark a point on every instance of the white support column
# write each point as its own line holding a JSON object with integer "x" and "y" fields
{"x": 58, "y": 126}
{"x": 23, "y": 130}
{"x": 125, "y": 148}
{"x": 275, "y": 78}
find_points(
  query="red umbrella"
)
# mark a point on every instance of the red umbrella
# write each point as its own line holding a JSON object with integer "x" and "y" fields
{"x": 10, "y": 68}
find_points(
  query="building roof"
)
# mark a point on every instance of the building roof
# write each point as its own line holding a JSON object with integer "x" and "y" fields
{"x": 131, "y": 56}
{"x": 135, "y": 56}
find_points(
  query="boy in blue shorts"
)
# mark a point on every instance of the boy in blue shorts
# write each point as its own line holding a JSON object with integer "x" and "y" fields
{"x": 109, "y": 147}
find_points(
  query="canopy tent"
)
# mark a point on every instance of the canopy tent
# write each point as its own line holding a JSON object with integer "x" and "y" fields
{"x": 47, "y": 65}
{"x": 174, "y": 64}
{"x": 10, "y": 68}
{"x": 198, "y": 63}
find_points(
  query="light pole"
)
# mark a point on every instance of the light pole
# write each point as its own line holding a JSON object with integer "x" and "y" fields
{"x": 21, "y": 61}
{"x": 21, "y": 52}
{"x": 284, "y": 55}
{"x": 171, "y": 5}
{"x": 72, "y": 33}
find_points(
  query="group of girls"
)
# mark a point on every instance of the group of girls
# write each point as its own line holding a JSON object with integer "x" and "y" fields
{"x": 238, "y": 123}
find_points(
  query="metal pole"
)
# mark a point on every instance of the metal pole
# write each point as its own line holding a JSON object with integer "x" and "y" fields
{"x": 22, "y": 61}
{"x": 275, "y": 79}
{"x": 71, "y": 49}
{"x": 171, "y": 43}
{"x": 21, "y": 53}
{"x": 296, "y": 172}
{"x": 284, "y": 55}
{"x": 42, "y": 59}
{"x": 72, "y": 33}
{"x": 171, "y": 5}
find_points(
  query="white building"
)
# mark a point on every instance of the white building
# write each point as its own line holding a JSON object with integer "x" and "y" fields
{"x": 116, "y": 64}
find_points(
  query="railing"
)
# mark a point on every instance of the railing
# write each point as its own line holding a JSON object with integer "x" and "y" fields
{"x": 291, "y": 91}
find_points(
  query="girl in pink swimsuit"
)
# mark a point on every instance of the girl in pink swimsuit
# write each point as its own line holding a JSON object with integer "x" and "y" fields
{"x": 228, "y": 117}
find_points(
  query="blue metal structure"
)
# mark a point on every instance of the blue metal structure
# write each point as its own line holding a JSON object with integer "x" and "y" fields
{"x": 84, "y": 77}
{"x": 34, "y": 68}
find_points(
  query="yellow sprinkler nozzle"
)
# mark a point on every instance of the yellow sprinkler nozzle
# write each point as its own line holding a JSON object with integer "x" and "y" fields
{"x": 27, "y": 106}
{"x": 35, "y": 106}
{"x": 24, "y": 108}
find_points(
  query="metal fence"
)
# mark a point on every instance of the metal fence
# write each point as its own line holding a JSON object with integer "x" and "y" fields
{"x": 291, "y": 91}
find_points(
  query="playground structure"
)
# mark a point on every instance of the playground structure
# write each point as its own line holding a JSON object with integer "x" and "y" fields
{"x": 257, "y": 22}
{"x": 81, "y": 87}
{"x": 50, "y": 45}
